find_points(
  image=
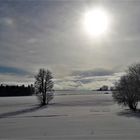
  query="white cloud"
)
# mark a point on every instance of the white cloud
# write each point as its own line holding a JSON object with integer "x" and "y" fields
{"x": 7, "y": 21}
{"x": 32, "y": 40}
{"x": 88, "y": 83}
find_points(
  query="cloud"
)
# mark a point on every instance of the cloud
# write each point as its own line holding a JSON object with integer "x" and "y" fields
{"x": 14, "y": 79}
{"x": 32, "y": 40}
{"x": 7, "y": 21}
{"x": 95, "y": 72}
{"x": 13, "y": 75}
{"x": 49, "y": 34}
{"x": 88, "y": 79}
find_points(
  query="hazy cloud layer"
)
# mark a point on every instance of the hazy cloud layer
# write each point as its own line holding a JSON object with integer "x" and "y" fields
{"x": 49, "y": 34}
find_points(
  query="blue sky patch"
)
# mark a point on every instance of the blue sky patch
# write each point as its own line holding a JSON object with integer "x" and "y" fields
{"x": 12, "y": 70}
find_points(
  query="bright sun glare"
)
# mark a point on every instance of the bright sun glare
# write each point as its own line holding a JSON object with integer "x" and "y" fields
{"x": 96, "y": 22}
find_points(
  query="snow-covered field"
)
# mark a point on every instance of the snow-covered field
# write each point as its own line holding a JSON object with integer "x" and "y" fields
{"x": 68, "y": 117}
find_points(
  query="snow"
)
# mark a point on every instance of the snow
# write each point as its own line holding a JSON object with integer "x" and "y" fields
{"x": 68, "y": 117}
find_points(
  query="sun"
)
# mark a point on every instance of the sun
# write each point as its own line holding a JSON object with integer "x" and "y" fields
{"x": 96, "y": 22}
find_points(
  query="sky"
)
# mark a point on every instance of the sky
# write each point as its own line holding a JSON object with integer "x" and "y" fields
{"x": 49, "y": 34}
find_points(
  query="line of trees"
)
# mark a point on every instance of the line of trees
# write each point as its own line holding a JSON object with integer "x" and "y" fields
{"x": 15, "y": 90}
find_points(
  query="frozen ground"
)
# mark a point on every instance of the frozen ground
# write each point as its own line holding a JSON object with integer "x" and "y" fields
{"x": 68, "y": 117}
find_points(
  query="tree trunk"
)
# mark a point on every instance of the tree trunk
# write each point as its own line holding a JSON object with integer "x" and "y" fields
{"x": 132, "y": 106}
{"x": 44, "y": 99}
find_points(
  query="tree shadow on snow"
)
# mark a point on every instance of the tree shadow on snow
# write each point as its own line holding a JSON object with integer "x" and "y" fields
{"x": 82, "y": 103}
{"x": 129, "y": 113}
{"x": 23, "y": 111}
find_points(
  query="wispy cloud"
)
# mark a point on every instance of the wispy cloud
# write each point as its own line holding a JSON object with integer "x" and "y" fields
{"x": 88, "y": 81}
{"x": 7, "y": 21}
{"x": 14, "y": 79}
{"x": 95, "y": 72}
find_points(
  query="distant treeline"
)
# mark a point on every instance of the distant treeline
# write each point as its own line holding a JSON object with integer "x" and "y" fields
{"x": 15, "y": 90}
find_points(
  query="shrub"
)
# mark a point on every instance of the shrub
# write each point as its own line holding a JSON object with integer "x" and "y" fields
{"x": 127, "y": 89}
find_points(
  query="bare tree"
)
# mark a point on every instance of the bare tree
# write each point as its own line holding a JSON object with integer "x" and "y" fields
{"x": 127, "y": 89}
{"x": 44, "y": 86}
